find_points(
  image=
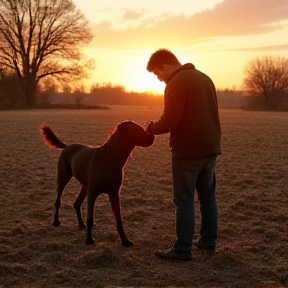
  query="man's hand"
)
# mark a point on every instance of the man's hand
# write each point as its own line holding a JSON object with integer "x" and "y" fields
{"x": 146, "y": 125}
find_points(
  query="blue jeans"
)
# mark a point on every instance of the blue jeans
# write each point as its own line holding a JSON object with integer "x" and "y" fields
{"x": 189, "y": 175}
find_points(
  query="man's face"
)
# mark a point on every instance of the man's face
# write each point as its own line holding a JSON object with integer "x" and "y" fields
{"x": 163, "y": 73}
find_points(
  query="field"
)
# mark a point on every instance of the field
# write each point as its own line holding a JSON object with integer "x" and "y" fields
{"x": 252, "y": 195}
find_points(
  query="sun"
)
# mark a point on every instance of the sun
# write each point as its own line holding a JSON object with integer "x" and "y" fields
{"x": 125, "y": 68}
{"x": 137, "y": 78}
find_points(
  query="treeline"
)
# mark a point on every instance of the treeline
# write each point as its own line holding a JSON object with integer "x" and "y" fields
{"x": 108, "y": 94}
{"x": 11, "y": 93}
{"x": 50, "y": 95}
{"x": 232, "y": 98}
{"x": 100, "y": 94}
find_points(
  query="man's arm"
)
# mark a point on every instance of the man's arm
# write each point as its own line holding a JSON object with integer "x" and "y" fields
{"x": 175, "y": 99}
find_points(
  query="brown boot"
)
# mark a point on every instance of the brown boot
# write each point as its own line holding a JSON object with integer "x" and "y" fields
{"x": 171, "y": 254}
{"x": 199, "y": 245}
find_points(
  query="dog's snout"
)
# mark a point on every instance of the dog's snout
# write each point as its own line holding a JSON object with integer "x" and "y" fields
{"x": 150, "y": 140}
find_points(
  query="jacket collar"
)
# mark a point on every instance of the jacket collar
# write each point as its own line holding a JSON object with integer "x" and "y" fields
{"x": 183, "y": 67}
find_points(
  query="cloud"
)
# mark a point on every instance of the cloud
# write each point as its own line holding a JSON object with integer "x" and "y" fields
{"x": 260, "y": 49}
{"x": 135, "y": 15}
{"x": 241, "y": 17}
{"x": 228, "y": 18}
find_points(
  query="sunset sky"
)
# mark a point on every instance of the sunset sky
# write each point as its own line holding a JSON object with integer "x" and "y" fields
{"x": 218, "y": 36}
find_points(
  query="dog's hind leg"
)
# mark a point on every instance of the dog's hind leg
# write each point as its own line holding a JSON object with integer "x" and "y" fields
{"x": 116, "y": 208}
{"x": 63, "y": 178}
{"x": 77, "y": 206}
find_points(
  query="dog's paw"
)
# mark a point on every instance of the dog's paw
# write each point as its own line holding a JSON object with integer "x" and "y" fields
{"x": 56, "y": 223}
{"x": 127, "y": 243}
{"x": 89, "y": 241}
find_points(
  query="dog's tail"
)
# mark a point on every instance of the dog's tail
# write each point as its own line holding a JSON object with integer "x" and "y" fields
{"x": 50, "y": 137}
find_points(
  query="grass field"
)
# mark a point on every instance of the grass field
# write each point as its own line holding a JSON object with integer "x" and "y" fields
{"x": 252, "y": 194}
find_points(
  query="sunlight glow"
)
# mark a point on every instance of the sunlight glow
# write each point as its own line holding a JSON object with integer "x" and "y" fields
{"x": 139, "y": 79}
{"x": 128, "y": 69}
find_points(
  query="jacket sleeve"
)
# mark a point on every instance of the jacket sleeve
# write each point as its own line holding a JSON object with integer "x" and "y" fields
{"x": 175, "y": 98}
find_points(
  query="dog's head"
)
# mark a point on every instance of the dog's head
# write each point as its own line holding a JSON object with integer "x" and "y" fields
{"x": 133, "y": 133}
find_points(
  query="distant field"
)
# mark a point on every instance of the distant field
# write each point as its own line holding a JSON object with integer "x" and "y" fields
{"x": 252, "y": 179}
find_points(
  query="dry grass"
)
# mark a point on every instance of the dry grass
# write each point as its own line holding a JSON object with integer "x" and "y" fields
{"x": 252, "y": 198}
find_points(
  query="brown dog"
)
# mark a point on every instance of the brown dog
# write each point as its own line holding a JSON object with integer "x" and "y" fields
{"x": 99, "y": 170}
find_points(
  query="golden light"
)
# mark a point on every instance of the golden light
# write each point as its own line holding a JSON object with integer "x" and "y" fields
{"x": 125, "y": 68}
{"x": 137, "y": 78}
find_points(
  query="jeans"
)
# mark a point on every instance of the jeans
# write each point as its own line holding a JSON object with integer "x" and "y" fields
{"x": 189, "y": 175}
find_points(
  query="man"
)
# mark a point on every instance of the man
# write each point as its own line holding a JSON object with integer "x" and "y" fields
{"x": 191, "y": 116}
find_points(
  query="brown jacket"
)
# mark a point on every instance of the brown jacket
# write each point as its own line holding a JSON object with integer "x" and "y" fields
{"x": 190, "y": 115}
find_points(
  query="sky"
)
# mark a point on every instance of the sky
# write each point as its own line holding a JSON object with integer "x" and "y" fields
{"x": 220, "y": 37}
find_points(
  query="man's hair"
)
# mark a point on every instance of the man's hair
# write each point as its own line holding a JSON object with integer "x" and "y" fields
{"x": 162, "y": 57}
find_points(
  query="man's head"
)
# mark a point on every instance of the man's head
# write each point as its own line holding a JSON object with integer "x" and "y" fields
{"x": 163, "y": 63}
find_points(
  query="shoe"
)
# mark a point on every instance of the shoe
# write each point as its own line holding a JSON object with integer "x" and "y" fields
{"x": 201, "y": 246}
{"x": 171, "y": 254}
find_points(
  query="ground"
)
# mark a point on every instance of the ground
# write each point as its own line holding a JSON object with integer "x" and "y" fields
{"x": 252, "y": 198}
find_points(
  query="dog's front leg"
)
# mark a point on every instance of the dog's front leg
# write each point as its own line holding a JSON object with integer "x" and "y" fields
{"x": 91, "y": 198}
{"x": 77, "y": 206}
{"x": 116, "y": 208}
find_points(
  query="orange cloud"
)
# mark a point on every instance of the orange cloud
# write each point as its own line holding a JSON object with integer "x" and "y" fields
{"x": 228, "y": 18}
{"x": 259, "y": 49}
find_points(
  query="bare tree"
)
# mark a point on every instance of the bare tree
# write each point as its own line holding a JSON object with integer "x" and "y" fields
{"x": 40, "y": 38}
{"x": 267, "y": 77}
{"x": 79, "y": 94}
